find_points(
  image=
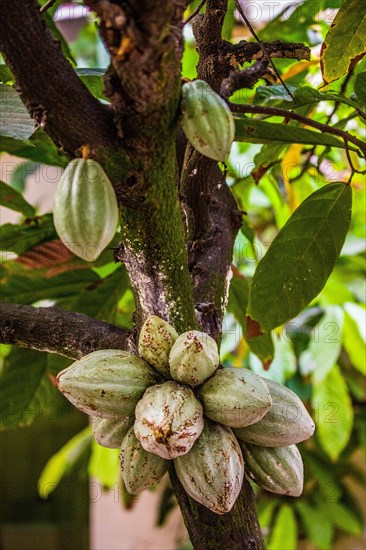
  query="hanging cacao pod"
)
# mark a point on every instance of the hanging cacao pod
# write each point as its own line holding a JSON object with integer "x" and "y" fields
{"x": 169, "y": 419}
{"x": 106, "y": 383}
{"x": 109, "y": 432}
{"x": 207, "y": 120}
{"x": 213, "y": 470}
{"x": 287, "y": 422}
{"x": 85, "y": 210}
{"x": 276, "y": 469}
{"x": 155, "y": 342}
{"x": 235, "y": 397}
{"x": 140, "y": 469}
{"x": 193, "y": 358}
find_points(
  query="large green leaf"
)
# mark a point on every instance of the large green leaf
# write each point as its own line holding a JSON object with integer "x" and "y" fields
{"x": 24, "y": 388}
{"x": 345, "y": 42}
{"x": 64, "y": 461}
{"x": 101, "y": 300}
{"x": 93, "y": 80}
{"x": 10, "y": 198}
{"x": 15, "y": 121}
{"x": 104, "y": 465}
{"x": 284, "y": 535}
{"x": 317, "y": 525}
{"x": 30, "y": 286}
{"x": 5, "y": 74}
{"x": 325, "y": 345}
{"x": 301, "y": 257}
{"x": 20, "y": 238}
{"x": 333, "y": 413}
{"x": 38, "y": 148}
{"x": 252, "y": 130}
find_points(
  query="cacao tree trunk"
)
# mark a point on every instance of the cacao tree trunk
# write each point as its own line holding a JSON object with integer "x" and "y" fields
{"x": 134, "y": 140}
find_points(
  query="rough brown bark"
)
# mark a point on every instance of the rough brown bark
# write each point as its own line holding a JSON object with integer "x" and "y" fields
{"x": 49, "y": 87}
{"x": 57, "y": 331}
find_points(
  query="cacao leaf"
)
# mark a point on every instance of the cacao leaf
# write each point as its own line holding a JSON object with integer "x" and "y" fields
{"x": 15, "y": 121}
{"x": 10, "y": 198}
{"x": 20, "y": 238}
{"x": 333, "y": 413}
{"x": 301, "y": 257}
{"x": 63, "y": 462}
{"x": 360, "y": 86}
{"x": 104, "y": 465}
{"x": 317, "y": 526}
{"x": 252, "y": 130}
{"x": 38, "y": 148}
{"x": 345, "y": 42}
{"x": 284, "y": 535}
{"x": 101, "y": 300}
{"x": 28, "y": 287}
{"x": 5, "y": 74}
{"x": 342, "y": 517}
{"x": 353, "y": 339}
{"x": 24, "y": 388}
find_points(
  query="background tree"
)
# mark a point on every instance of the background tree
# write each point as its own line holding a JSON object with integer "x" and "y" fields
{"x": 179, "y": 218}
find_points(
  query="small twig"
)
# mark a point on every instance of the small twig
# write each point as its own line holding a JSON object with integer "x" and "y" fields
{"x": 276, "y": 111}
{"x": 47, "y": 5}
{"x": 248, "y": 24}
{"x": 196, "y": 11}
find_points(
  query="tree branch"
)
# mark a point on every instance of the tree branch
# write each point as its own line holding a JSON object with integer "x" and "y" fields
{"x": 49, "y": 87}
{"x": 57, "y": 331}
{"x": 244, "y": 79}
{"x": 276, "y": 111}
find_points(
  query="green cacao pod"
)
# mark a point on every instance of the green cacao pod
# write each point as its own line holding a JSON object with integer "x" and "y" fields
{"x": 109, "y": 432}
{"x": 213, "y": 470}
{"x": 235, "y": 397}
{"x": 155, "y": 342}
{"x": 85, "y": 210}
{"x": 276, "y": 469}
{"x": 106, "y": 383}
{"x": 207, "y": 120}
{"x": 140, "y": 469}
{"x": 169, "y": 419}
{"x": 193, "y": 358}
{"x": 286, "y": 423}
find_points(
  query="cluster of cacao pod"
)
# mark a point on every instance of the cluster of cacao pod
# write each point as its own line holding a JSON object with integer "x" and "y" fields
{"x": 175, "y": 403}
{"x": 207, "y": 120}
{"x": 85, "y": 211}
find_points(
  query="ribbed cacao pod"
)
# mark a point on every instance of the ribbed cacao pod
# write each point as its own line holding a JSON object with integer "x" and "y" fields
{"x": 276, "y": 469}
{"x": 193, "y": 358}
{"x": 140, "y": 469}
{"x": 106, "y": 383}
{"x": 235, "y": 397}
{"x": 85, "y": 210}
{"x": 169, "y": 419}
{"x": 155, "y": 342}
{"x": 207, "y": 120}
{"x": 286, "y": 423}
{"x": 109, "y": 432}
{"x": 213, "y": 470}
